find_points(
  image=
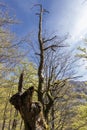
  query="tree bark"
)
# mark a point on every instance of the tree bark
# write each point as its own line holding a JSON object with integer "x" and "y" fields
{"x": 31, "y": 112}
{"x": 14, "y": 123}
{"x": 47, "y": 107}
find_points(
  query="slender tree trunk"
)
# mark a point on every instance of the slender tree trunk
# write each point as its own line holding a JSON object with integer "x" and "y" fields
{"x": 52, "y": 115}
{"x": 4, "y": 115}
{"x": 4, "y": 120}
{"x": 14, "y": 124}
{"x": 46, "y": 107}
{"x": 40, "y": 68}
{"x": 21, "y": 124}
{"x": 10, "y": 120}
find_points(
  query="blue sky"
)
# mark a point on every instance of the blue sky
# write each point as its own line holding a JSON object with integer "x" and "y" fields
{"x": 66, "y": 16}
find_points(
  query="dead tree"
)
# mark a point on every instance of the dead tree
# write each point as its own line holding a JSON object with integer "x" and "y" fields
{"x": 31, "y": 112}
{"x": 43, "y": 48}
{"x": 42, "y": 42}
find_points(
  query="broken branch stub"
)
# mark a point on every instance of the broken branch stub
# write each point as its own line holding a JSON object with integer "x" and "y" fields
{"x": 31, "y": 112}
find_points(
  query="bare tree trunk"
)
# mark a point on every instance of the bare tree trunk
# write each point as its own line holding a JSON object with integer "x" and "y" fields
{"x": 31, "y": 112}
{"x": 4, "y": 115}
{"x": 10, "y": 120}
{"x": 52, "y": 115}
{"x": 21, "y": 124}
{"x": 14, "y": 124}
{"x": 40, "y": 69}
{"x": 46, "y": 107}
{"x": 5, "y": 112}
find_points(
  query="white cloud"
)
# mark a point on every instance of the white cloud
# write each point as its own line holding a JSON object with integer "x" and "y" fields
{"x": 69, "y": 16}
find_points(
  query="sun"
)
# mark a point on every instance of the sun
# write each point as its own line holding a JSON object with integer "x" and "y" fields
{"x": 80, "y": 25}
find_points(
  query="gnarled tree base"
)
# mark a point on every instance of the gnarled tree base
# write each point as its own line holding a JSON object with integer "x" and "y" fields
{"x": 31, "y": 112}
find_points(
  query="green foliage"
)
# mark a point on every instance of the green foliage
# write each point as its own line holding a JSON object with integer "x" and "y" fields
{"x": 82, "y": 52}
{"x": 80, "y": 119}
{"x": 9, "y": 87}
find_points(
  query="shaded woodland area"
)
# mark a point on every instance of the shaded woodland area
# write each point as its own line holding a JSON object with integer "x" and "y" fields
{"x": 42, "y": 94}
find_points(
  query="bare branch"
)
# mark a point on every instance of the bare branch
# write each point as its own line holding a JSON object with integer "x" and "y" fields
{"x": 37, "y": 54}
{"x": 52, "y": 47}
{"x": 20, "y": 84}
{"x": 40, "y": 5}
{"x": 49, "y": 39}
